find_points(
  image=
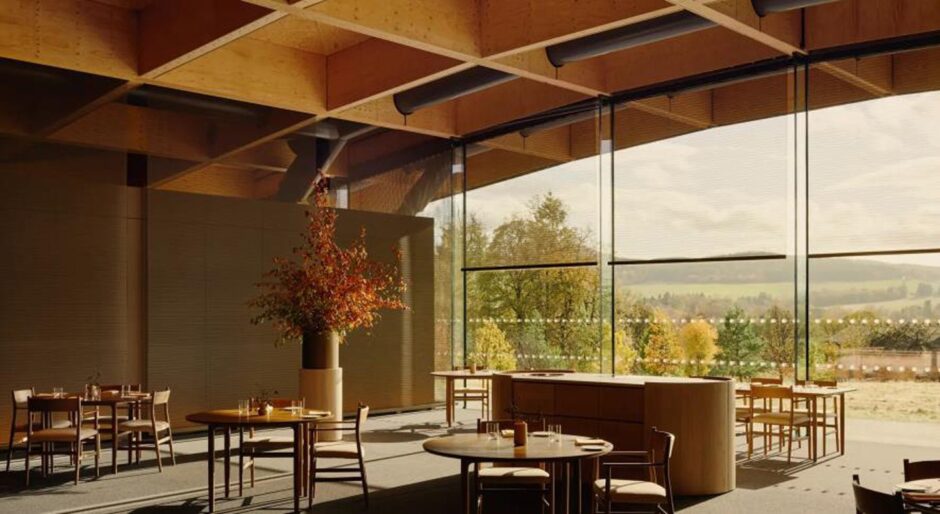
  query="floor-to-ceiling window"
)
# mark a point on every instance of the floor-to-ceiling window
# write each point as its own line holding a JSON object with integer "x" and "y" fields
{"x": 532, "y": 242}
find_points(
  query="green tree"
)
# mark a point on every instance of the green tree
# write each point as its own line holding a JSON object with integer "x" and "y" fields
{"x": 662, "y": 347}
{"x": 778, "y": 339}
{"x": 698, "y": 344}
{"x": 491, "y": 349}
{"x": 738, "y": 345}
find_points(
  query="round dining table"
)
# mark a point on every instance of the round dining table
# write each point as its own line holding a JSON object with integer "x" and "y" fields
{"x": 478, "y": 448}
{"x": 228, "y": 419}
{"x": 921, "y": 495}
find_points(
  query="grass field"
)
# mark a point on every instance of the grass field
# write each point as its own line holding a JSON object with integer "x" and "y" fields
{"x": 896, "y": 401}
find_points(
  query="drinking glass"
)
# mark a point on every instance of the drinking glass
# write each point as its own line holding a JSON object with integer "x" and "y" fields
{"x": 494, "y": 433}
{"x": 556, "y": 433}
{"x": 242, "y": 407}
{"x": 57, "y": 392}
{"x": 294, "y": 405}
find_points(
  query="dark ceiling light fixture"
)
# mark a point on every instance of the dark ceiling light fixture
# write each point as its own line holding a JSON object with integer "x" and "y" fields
{"x": 158, "y": 97}
{"x": 648, "y": 31}
{"x": 765, "y": 7}
{"x": 449, "y": 88}
{"x": 558, "y": 122}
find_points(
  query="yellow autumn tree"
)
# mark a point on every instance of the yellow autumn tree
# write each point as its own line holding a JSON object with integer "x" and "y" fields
{"x": 491, "y": 348}
{"x": 698, "y": 344}
{"x": 662, "y": 347}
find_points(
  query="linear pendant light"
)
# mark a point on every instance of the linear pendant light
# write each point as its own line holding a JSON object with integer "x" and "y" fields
{"x": 449, "y": 88}
{"x": 649, "y": 31}
{"x": 765, "y": 7}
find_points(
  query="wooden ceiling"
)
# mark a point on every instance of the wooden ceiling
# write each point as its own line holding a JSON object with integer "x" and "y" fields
{"x": 308, "y": 60}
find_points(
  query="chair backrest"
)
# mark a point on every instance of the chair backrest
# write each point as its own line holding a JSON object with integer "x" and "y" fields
{"x": 362, "y": 414}
{"x": 767, "y": 381}
{"x": 50, "y": 405}
{"x": 868, "y": 501}
{"x": 759, "y": 391}
{"x": 160, "y": 397}
{"x": 661, "y": 445}
{"x": 20, "y": 398}
{"x": 921, "y": 469}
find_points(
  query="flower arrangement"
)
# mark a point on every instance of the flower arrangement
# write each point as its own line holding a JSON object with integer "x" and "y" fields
{"x": 325, "y": 287}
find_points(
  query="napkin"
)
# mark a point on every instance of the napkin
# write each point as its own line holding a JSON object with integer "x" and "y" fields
{"x": 590, "y": 442}
{"x": 507, "y": 432}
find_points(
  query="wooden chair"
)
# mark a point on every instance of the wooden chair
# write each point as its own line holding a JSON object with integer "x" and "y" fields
{"x": 785, "y": 417}
{"x": 18, "y": 430}
{"x": 262, "y": 445}
{"x": 653, "y": 495}
{"x": 825, "y": 418}
{"x": 921, "y": 469}
{"x": 135, "y": 428}
{"x": 339, "y": 450}
{"x": 868, "y": 501}
{"x": 47, "y": 436}
{"x": 509, "y": 476}
{"x": 480, "y": 394}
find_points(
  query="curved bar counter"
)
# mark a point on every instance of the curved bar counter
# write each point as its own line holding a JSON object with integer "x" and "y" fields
{"x": 623, "y": 410}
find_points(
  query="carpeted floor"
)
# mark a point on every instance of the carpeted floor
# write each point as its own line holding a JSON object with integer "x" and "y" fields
{"x": 405, "y": 479}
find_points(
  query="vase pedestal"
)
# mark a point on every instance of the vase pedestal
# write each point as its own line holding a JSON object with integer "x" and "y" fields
{"x": 322, "y": 389}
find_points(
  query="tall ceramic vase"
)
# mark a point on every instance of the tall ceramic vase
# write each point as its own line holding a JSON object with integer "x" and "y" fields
{"x": 321, "y": 378}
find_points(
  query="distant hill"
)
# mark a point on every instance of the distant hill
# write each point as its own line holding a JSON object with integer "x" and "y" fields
{"x": 821, "y": 270}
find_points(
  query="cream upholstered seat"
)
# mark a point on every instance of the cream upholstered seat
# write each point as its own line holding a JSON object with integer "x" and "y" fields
{"x": 143, "y": 425}
{"x": 65, "y": 435}
{"x": 632, "y": 491}
{"x": 338, "y": 450}
{"x": 511, "y": 474}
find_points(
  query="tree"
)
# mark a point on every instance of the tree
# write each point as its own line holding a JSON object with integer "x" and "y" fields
{"x": 698, "y": 344}
{"x": 738, "y": 345}
{"x": 662, "y": 347}
{"x": 778, "y": 339}
{"x": 491, "y": 349}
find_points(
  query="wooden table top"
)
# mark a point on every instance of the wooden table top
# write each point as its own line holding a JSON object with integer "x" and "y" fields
{"x": 464, "y": 373}
{"x": 231, "y": 417}
{"x": 806, "y": 390}
{"x": 480, "y": 447}
{"x": 107, "y": 397}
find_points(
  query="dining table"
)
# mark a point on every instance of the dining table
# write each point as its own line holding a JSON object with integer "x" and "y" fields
{"x": 921, "y": 495}
{"x": 812, "y": 394}
{"x": 113, "y": 400}
{"x": 474, "y": 448}
{"x": 227, "y": 420}
{"x": 485, "y": 376}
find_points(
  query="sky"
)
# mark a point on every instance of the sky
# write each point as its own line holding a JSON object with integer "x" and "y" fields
{"x": 874, "y": 178}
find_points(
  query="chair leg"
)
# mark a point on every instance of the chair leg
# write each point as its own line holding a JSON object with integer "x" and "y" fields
{"x": 172, "y": 453}
{"x": 365, "y": 483}
{"x": 12, "y": 433}
{"x": 78, "y": 460}
{"x": 241, "y": 469}
{"x": 789, "y": 442}
{"x": 156, "y": 450}
{"x": 138, "y": 439}
{"x": 27, "y": 463}
{"x": 251, "y": 468}
{"x": 130, "y": 446}
{"x": 312, "y": 482}
{"x": 97, "y": 455}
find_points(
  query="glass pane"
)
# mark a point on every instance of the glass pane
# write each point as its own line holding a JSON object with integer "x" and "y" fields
{"x": 534, "y": 319}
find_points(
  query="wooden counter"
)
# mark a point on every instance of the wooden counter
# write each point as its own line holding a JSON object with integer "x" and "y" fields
{"x": 623, "y": 410}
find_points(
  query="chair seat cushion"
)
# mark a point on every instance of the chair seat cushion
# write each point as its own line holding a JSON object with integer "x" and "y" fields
{"x": 61, "y": 434}
{"x": 513, "y": 475}
{"x": 58, "y": 423}
{"x": 142, "y": 425}
{"x": 268, "y": 443}
{"x": 631, "y": 491}
{"x": 338, "y": 450}
{"x": 780, "y": 418}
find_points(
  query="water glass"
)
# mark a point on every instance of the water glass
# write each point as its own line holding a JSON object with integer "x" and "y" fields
{"x": 242, "y": 407}
{"x": 494, "y": 433}
{"x": 556, "y": 433}
{"x": 57, "y": 392}
{"x": 294, "y": 406}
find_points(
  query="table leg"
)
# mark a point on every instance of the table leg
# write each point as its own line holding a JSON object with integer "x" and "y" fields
{"x": 842, "y": 423}
{"x": 211, "y": 461}
{"x": 465, "y": 485}
{"x": 227, "y": 456}
{"x": 554, "y": 478}
{"x": 114, "y": 438}
{"x": 567, "y": 467}
{"x": 812, "y": 423}
{"x": 578, "y": 485}
{"x": 298, "y": 453}
{"x": 241, "y": 462}
{"x": 449, "y": 395}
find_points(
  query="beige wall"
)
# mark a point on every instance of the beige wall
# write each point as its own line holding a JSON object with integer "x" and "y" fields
{"x": 77, "y": 255}
{"x": 205, "y": 254}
